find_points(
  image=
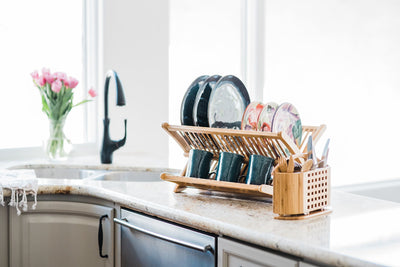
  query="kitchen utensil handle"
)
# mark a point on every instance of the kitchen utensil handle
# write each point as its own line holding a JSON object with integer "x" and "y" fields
{"x": 124, "y": 222}
{"x": 100, "y": 236}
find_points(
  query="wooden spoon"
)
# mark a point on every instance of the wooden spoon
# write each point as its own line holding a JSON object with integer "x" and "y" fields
{"x": 282, "y": 164}
{"x": 307, "y": 165}
{"x": 290, "y": 166}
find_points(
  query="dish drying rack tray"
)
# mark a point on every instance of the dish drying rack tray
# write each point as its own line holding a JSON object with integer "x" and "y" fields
{"x": 246, "y": 143}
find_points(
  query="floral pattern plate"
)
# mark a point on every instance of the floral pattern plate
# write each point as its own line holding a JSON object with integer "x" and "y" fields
{"x": 287, "y": 120}
{"x": 188, "y": 101}
{"x": 228, "y": 102}
{"x": 250, "y": 116}
{"x": 265, "y": 119}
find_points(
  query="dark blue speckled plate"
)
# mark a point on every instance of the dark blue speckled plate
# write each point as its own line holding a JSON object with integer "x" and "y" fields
{"x": 188, "y": 100}
{"x": 227, "y": 103}
{"x": 200, "y": 107}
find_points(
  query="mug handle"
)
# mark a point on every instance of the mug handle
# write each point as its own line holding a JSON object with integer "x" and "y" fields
{"x": 211, "y": 173}
{"x": 242, "y": 178}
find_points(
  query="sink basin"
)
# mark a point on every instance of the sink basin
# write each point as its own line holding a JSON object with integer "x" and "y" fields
{"x": 129, "y": 176}
{"x": 55, "y": 172}
{"x": 73, "y": 172}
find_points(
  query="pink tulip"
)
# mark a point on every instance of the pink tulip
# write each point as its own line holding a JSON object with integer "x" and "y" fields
{"x": 35, "y": 75}
{"x": 45, "y": 71}
{"x": 92, "y": 92}
{"x": 66, "y": 83}
{"x": 56, "y": 86}
{"x": 61, "y": 76}
{"x": 49, "y": 77}
{"x": 72, "y": 82}
{"x": 40, "y": 81}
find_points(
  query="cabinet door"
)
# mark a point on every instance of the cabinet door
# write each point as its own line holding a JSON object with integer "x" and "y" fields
{"x": 234, "y": 254}
{"x": 305, "y": 264}
{"x": 3, "y": 236}
{"x": 61, "y": 234}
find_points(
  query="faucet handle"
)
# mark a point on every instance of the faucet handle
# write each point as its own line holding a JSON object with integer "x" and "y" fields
{"x": 123, "y": 140}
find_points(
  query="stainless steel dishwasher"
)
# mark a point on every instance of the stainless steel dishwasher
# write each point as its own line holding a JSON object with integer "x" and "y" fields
{"x": 146, "y": 241}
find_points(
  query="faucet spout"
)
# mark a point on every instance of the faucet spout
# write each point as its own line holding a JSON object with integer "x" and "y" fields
{"x": 109, "y": 146}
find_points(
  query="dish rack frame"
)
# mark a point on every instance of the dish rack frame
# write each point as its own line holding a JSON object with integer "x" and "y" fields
{"x": 290, "y": 190}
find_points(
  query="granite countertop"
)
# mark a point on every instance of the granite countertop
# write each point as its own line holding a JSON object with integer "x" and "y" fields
{"x": 361, "y": 231}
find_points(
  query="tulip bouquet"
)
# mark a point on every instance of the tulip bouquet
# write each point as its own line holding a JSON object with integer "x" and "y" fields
{"x": 56, "y": 90}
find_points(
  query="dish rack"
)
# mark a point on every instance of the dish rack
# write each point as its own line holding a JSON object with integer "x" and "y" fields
{"x": 295, "y": 195}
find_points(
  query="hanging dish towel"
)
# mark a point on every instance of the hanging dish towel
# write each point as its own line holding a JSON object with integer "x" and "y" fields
{"x": 21, "y": 183}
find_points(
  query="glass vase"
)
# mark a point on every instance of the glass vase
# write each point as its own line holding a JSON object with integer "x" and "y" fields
{"x": 57, "y": 146}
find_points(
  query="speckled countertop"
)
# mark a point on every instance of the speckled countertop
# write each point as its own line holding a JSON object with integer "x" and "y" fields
{"x": 360, "y": 232}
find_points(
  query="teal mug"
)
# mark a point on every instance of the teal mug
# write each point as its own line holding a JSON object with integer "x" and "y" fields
{"x": 229, "y": 167}
{"x": 259, "y": 170}
{"x": 198, "y": 163}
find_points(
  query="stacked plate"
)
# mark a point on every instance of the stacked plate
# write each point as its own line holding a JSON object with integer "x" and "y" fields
{"x": 215, "y": 101}
{"x": 270, "y": 117}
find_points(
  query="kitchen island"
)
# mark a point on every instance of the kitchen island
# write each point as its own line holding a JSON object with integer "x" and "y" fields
{"x": 361, "y": 231}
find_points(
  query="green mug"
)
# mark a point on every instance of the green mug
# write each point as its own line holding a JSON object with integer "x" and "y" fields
{"x": 198, "y": 163}
{"x": 229, "y": 167}
{"x": 259, "y": 170}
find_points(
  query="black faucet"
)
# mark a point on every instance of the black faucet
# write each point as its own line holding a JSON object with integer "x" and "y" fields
{"x": 109, "y": 146}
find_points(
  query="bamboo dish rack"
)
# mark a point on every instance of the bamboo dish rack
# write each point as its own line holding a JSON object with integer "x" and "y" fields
{"x": 295, "y": 195}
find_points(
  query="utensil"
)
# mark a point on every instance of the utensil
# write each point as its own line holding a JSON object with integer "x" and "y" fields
{"x": 290, "y": 166}
{"x": 311, "y": 152}
{"x": 307, "y": 165}
{"x": 324, "y": 158}
{"x": 282, "y": 164}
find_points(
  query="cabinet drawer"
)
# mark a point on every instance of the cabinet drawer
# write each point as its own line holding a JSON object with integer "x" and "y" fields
{"x": 234, "y": 254}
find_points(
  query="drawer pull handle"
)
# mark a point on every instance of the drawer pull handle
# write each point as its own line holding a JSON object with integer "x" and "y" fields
{"x": 100, "y": 237}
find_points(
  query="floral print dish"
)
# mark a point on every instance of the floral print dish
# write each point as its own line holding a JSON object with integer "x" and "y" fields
{"x": 264, "y": 122}
{"x": 287, "y": 120}
{"x": 250, "y": 116}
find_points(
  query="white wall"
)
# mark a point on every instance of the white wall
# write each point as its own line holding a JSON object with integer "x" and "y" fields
{"x": 339, "y": 63}
{"x": 135, "y": 44}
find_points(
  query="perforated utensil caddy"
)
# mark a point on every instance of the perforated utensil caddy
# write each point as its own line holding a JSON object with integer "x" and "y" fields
{"x": 295, "y": 195}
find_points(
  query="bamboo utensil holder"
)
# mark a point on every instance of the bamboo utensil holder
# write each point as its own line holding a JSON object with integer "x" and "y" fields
{"x": 301, "y": 193}
{"x": 294, "y": 195}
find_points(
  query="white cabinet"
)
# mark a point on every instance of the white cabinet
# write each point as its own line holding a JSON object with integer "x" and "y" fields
{"x": 3, "y": 236}
{"x": 305, "y": 264}
{"x": 234, "y": 254}
{"x": 61, "y": 234}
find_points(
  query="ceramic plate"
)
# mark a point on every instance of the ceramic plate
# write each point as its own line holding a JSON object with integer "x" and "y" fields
{"x": 250, "y": 116}
{"x": 200, "y": 107}
{"x": 227, "y": 103}
{"x": 265, "y": 119}
{"x": 188, "y": 101}
{"x": 287, "y": 120}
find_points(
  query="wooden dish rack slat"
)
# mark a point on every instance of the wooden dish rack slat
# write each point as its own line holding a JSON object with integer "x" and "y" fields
{"x": 246, "y": 143}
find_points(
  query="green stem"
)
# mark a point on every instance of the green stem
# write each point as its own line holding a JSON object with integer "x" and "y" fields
{"x": 55, "y": 147}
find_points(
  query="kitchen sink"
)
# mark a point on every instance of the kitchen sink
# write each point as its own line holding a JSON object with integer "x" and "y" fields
{"x": 73, "y": 172}
{"x": 129, "y": 176}
{"x": 56, "y": 172}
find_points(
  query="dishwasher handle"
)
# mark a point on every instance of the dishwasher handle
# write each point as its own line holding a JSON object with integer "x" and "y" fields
{"x": 125, "y": 222}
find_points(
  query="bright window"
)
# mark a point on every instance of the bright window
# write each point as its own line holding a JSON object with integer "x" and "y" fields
{"x": 36, "y": 34}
